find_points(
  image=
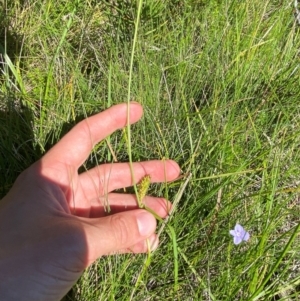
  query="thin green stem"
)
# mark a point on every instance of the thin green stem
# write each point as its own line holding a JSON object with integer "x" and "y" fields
{"x": 140, "y": 4}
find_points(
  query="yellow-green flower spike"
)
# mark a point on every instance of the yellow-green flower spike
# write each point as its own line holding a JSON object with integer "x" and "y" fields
{"x": 142, "y": 189}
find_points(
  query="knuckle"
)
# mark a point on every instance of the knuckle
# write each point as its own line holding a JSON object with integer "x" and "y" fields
{"x": 120, "y": 230}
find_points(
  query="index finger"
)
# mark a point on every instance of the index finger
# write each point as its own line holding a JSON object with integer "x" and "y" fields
{"x": 75, "y": 146}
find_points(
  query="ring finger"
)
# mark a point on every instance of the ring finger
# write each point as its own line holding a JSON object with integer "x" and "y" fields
{"x": 118, "y": 202}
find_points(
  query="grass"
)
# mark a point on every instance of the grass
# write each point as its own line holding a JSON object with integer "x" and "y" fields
{"x": 219, "y": 82}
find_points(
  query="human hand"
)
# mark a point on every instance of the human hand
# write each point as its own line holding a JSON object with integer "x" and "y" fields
{"x": 53, "y": 222}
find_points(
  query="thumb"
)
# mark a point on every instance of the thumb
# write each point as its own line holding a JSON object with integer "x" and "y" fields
{"x": 116, "y": 232}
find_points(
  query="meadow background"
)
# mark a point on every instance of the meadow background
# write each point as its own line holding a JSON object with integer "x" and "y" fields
{"x": 219, "y": 82}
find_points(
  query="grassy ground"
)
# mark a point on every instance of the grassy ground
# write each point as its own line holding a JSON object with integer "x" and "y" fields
{"x": 219, "y": 81}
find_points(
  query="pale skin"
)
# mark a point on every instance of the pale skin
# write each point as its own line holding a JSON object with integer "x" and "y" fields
{"x": 53, "y": 222}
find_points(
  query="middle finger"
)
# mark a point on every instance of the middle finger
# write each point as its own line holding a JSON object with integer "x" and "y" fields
{"x": 107, "y": 177}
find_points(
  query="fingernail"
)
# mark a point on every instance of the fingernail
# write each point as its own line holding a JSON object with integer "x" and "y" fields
{"x": 146, "y": 223}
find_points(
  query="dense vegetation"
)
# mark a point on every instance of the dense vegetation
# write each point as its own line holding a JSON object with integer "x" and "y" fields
{"x": 219, "y": 82}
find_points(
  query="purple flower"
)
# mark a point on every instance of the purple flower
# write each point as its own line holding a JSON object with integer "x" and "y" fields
{"x": 239, "y": 234}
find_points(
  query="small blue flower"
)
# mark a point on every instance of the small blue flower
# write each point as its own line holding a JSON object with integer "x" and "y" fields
{"x": 239, "y": 234}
